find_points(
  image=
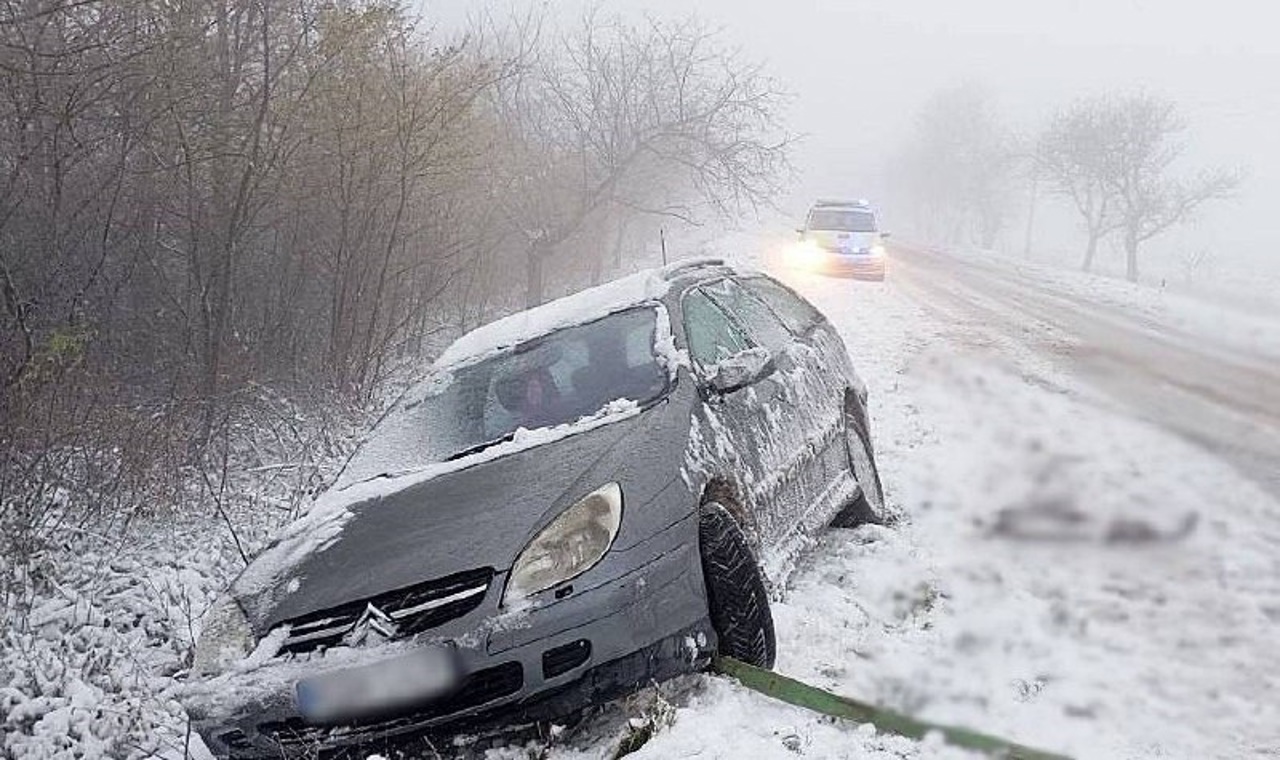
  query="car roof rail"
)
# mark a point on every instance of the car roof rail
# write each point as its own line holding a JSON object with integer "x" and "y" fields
{"x": 674, "y": 269}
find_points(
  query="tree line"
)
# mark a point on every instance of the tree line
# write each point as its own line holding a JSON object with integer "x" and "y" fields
{"x": 1113, "y": 160}
{"x": 206, "y": 198}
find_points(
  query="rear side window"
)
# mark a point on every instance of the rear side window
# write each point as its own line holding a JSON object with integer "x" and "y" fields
{"x": 798, "y": 314}
{"x": 761, "y": 324}
{"x": 711, "y": 335}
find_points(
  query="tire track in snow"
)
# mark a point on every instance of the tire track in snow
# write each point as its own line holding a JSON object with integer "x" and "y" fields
{"x": 1223, "y": 400}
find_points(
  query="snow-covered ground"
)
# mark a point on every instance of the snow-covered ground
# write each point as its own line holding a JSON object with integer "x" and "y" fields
{"x": 1247, "y": 324}
{"x": 1068, "y": 574}
{"x": 1092, "y": 640}
{"x": 99, "y": 631}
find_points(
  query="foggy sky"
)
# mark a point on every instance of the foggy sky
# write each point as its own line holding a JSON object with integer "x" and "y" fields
{"x": 860, "y": 71}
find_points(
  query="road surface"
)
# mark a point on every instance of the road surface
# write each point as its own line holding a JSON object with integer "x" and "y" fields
{"x": 1222, "y": 399}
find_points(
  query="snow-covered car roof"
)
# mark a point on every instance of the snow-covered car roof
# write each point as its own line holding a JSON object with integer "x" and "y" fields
{"x": 645, "y": 286}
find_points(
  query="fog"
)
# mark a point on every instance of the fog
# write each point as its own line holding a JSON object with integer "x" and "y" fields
{"x": 481, "y": 378}
{"x": 861, "y": 70}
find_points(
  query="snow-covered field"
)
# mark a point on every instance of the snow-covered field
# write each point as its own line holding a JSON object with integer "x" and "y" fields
{"x": 1066, "y": 574}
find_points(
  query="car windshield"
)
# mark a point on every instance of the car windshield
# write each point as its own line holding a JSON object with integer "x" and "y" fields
{"x": 844, "y": 220}
{"x": 556, "y": 379}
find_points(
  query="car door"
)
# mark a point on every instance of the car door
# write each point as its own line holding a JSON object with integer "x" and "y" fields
{"x": 728, "y": 440}
{"x": 799, "y": 423}
{"x": 823, "y": 368}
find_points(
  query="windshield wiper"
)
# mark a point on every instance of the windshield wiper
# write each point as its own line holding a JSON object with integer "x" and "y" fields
{"x": 480, "y": 447}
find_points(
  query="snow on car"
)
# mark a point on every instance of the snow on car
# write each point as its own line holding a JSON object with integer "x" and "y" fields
{"x": 581, "y": 499}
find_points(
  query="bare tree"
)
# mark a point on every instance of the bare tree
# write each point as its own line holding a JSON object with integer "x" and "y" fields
{"x": 1113, "y": 157}
{"x": 1148, "y": 131}
{"x": 394, "y": 145}
{"x": 203, "y": 203}
{"x": 1197, "y": 263}
{"x": 1074, "y": 156}
{"x": 958, "y": 167}
{"x": 617, "y": 120}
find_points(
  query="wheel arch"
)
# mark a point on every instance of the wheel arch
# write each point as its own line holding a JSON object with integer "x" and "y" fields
{"x": 724, "y": 491}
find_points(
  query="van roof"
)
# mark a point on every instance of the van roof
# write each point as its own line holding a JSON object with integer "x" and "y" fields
{"x": 836, "y": 202}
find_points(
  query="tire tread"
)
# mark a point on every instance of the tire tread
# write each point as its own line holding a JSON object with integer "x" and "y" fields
{"x": 736, "y": 594}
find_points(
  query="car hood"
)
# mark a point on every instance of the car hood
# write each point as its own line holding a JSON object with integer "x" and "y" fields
{"x": 478, "y": 516}
{"x": 850, "y": 241}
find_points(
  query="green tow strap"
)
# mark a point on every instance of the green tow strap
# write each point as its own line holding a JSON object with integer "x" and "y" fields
{"x": 794, "y": 692}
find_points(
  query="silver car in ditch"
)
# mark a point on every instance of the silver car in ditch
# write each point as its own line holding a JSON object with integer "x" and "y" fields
{"x": 579, "y": 499}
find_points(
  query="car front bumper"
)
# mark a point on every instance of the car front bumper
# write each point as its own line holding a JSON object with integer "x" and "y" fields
{"x": 648, "y": 624}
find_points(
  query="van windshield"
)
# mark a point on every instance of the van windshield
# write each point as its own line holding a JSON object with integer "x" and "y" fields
{"x": 842, "y": 220}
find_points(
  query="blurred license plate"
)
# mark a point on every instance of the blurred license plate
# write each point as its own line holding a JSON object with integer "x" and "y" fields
{"x": 397, "y": 682}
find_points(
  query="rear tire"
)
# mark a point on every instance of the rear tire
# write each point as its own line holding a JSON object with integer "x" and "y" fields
{"x": 868, "y": 507}
{"x": 736, "y": 596}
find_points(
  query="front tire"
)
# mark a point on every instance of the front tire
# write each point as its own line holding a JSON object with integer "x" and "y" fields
{"x": 736, "y": 596}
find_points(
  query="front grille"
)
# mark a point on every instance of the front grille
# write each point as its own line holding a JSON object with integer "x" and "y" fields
{"x": 390, "y": 616}
{"x": 481, "y": 687}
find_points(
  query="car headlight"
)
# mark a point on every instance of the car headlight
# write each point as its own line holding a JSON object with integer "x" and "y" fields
{"x": 877, "y": 249}
{"x": 226, "y": 638}
{"x": 571, "y": 545}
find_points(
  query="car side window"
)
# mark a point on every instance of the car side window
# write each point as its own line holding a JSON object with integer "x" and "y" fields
{"x": 761, "y": 324}
{"x": 797, "y": 314}
{"x": 710, "y": 334}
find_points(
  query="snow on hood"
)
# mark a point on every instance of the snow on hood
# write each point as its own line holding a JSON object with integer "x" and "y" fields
{"x": 330, "y": 513}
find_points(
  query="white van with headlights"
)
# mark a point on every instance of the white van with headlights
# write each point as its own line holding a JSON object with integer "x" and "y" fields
{"x": 841, "y": 237}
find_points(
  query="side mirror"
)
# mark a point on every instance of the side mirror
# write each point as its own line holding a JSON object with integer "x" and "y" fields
{"x": 800, "y": 232}
{"x": 884, "y": 235}
{"x": 741, "y": 369}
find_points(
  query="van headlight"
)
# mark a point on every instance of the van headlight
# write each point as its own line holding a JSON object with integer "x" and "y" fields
{"x": 225, "y": 640}
{"x": 804, "y": 254}
{"x": 571, "y": 545}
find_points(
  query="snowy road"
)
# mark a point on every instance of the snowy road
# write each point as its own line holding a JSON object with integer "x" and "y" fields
{"x": 1219, "y": 396}
{"x": 1043, "y": 445}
